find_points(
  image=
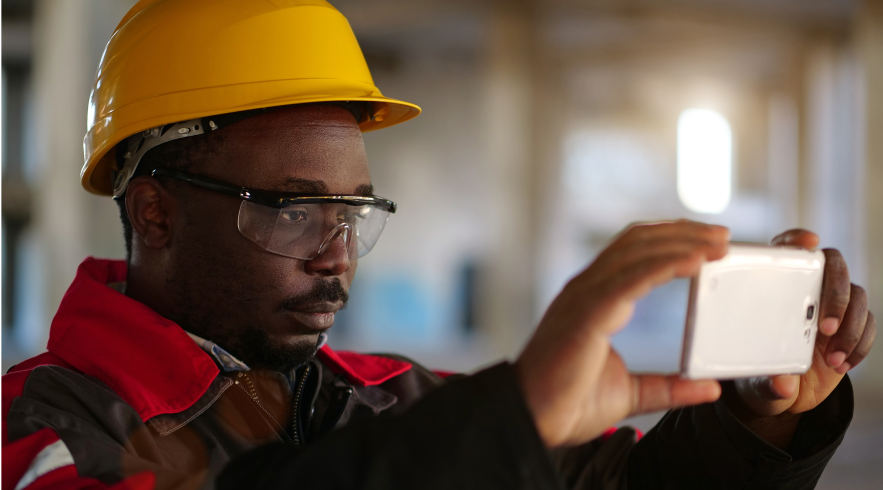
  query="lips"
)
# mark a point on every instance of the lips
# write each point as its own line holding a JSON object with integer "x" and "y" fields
{"x": 317, "y": 317}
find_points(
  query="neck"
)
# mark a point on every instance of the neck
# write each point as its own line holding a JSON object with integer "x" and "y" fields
{"x": 145, "y": 282}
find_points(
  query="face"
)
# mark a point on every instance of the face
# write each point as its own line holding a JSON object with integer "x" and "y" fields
{"x": 266, "y": 309}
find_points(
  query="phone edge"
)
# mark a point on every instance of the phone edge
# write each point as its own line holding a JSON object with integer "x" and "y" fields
{"x": 687, "y": 344}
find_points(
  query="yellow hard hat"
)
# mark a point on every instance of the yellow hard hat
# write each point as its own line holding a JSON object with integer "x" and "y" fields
{"x": 174, "y": 60}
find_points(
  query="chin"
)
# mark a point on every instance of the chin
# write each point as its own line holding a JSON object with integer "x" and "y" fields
{"x": 298, "y": 340}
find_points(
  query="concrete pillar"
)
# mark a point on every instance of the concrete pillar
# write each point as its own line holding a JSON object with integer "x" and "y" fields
{"x": 61, "y": 78}
{"x": 507, "y": 311}
{"x": 869, "y": 46}
{"x": 69, "y": 223}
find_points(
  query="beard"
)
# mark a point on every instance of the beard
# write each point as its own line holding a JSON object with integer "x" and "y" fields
{"x": 219, "y": 299}
{"x": 254, "y": 347}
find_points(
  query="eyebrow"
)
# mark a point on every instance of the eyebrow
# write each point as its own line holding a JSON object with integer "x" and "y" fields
{"x": 365, "y": 190}
{"x": 308, "y": 186}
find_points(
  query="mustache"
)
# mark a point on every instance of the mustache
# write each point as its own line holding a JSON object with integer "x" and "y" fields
{"x": 323, "y": 292}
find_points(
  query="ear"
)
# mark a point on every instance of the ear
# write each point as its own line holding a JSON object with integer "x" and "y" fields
{"x": 151, "y": 211}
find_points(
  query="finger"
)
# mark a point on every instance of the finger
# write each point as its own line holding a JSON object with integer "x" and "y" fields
{"x": 682, "y": 229}
{"x": 619, "y": 291}
{"x": 654, "y": 392}
{"x": 841, "y": 345}
{"x": 766, "y": 389}
{"x": 768, "y": 395}
{"x": 638, "y": 278}
{"x": 863, "y": 347}
{"x": 798, "y": 238}
{"x": 835, "y": 292}
{"x": 630, "y": 253}
{"x": 785, "y": 386}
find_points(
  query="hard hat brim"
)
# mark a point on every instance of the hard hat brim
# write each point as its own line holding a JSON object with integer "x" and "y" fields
{"x": 95, "y": 175}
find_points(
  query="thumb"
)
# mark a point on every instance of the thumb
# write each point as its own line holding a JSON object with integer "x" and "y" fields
{"x": 768, "y": 396}
{"x": 654, "y": 392}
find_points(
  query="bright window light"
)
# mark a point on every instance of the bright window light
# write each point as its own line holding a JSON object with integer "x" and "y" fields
{"x": 705, "y": 156}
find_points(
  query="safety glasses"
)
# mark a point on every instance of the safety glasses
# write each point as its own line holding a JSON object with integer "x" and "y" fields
{"x": 301, "y": 226}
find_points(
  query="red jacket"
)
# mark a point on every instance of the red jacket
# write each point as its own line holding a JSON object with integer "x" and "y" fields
{"x": 124, "y": 398}
{"x": 147, "y": 360}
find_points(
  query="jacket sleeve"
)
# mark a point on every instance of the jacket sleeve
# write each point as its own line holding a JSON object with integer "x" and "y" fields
{"x": 706, "y": 446}
{"x": 474, "y": 432}
{"x": 52, "y": 437}
{"x": 42, "y": 461}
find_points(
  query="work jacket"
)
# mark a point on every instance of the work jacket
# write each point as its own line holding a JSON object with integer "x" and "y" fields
{"x": 125, "y": 398}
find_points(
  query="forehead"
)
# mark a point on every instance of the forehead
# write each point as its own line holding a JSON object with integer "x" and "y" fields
{"x": 300, "y": 148}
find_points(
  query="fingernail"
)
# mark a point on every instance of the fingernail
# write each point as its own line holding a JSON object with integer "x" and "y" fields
{"x": 836, "y": 359}
{"x": 829, "y": 326}
{"x": 843, "y": 368}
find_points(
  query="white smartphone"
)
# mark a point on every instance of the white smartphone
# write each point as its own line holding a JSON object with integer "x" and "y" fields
{"x": 754, "y": 312}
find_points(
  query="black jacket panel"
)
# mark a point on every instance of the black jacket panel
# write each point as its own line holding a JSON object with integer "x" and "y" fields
{"x": 412, "y": 431}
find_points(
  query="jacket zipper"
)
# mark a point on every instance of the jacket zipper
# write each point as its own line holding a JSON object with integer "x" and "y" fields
{"x": 253, "y": 394}
{"x": 298, "y": 394}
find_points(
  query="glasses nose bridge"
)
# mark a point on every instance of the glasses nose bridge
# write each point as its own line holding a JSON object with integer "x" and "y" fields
{"x": 344, "y": 230}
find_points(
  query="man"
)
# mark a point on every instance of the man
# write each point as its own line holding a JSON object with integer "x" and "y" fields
{"x": 230, "y": 134}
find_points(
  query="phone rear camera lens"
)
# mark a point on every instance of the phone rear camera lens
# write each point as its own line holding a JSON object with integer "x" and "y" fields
{"x": 810, "y": 312}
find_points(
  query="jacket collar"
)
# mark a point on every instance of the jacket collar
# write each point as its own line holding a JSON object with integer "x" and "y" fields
{"x": 148, "y": 360}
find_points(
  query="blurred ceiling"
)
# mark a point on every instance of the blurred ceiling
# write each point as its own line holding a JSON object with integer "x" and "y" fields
{"x": 737, "y": 42}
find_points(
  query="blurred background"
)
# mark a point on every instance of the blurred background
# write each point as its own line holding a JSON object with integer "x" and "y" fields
{"x": 548, "y": 126}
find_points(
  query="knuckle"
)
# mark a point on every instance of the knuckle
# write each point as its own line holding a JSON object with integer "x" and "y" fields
{"x": 856, "y": 357}
{"x": 849, "y": 338}
{"x": 832, "y": 253}
{"x": 858, "y": 295}
{"x": 837, "y": 300}
{"x": 834, "y": 260}
{"x": 696, "y": 254}
{"x": 787, "y": 235}
{"x": 864, "y": 348}
{"x": 870, "y": 329}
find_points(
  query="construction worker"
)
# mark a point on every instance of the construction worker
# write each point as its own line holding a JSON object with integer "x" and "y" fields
{"x": 229, "y": 133}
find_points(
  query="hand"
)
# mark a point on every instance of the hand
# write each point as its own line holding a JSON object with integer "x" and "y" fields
{"x": 574, "y": 383}
{"x": 846, "y": 333}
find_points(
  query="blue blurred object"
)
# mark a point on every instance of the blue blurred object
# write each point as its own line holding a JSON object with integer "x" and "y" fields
{"x": 652, "y": 340}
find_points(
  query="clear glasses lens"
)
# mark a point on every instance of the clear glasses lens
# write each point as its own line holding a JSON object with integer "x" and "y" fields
{"x": 302, "y": 231}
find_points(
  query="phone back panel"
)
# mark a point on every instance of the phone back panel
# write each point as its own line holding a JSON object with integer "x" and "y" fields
{"x": 753, "y": 313}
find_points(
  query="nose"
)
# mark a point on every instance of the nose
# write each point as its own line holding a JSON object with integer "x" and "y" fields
{"x": 333, "y": 258}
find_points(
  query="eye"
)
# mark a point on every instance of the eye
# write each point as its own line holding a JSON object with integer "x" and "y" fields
{"x": 351, "y": 213}
{"x": 294, "y": 215}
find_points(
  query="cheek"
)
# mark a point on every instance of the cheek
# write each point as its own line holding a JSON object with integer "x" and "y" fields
{"x": 211, "y": 234}
{"x": 222, "y": 262}
{"x": 210, "y": 249}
